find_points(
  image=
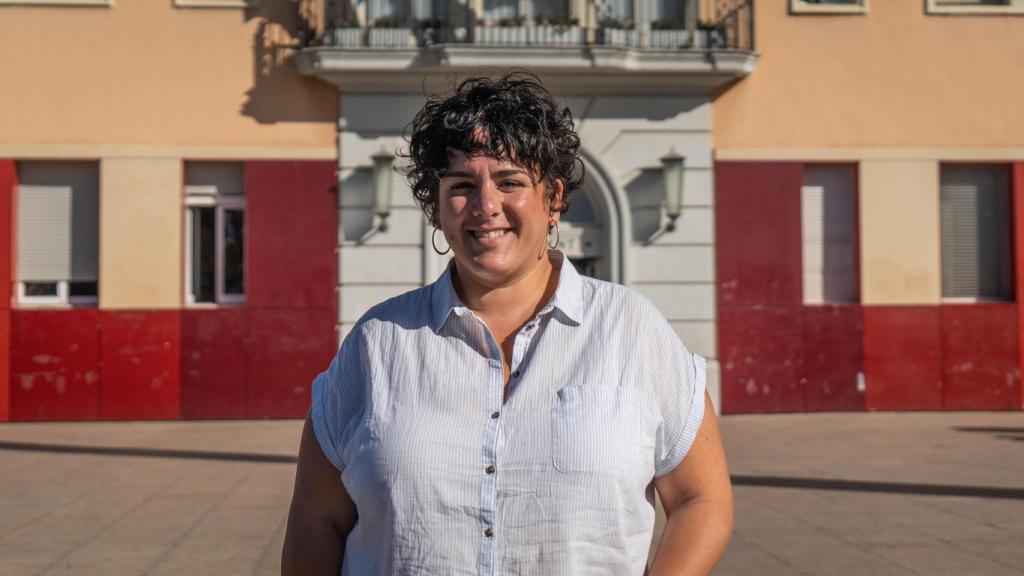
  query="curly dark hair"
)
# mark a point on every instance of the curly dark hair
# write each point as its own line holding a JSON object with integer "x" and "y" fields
{"x": 511, "y": 118}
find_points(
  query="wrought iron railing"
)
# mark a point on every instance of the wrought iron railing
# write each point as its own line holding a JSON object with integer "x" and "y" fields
{"x": 730, "y": 26}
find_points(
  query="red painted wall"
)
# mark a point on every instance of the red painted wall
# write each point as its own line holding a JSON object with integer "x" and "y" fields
{"x": 292, "y": 233}
{"x": 757, "y": 232}
{"x": 286, "y": 349}
{"x": 762, "y": 351}
{"x": 54, "y": 364}
{"x": 140, "y": 361}
{"x": 8, "y": 186}
{"x": 1018, "y": 228}
{"x": 902, "y": 357}
{"x": 980, "y": 357}
{"x": 292, "y": 219}
{"x": 213, "y": 374}
{"x": 833, "y": 350}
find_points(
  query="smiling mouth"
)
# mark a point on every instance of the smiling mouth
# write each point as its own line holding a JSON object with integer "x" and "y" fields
{"x": 490, "y": 234}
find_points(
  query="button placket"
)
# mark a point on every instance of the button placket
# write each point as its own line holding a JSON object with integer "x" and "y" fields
{"x": 491, "y": 446}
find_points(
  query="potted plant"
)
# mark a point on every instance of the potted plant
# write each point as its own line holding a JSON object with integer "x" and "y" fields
{"x": 555, "y": 32}
{"x": 390, "y": 32}
{"x": 504, "y": 32}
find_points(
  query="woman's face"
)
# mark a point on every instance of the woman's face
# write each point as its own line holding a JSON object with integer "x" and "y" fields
{"x": 495, "y": 217}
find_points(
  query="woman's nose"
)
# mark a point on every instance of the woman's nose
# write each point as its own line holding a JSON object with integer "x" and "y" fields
{"x": 488, "y": 199}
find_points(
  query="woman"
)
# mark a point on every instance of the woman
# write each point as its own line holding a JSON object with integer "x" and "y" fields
{"x": 512, "y": 417}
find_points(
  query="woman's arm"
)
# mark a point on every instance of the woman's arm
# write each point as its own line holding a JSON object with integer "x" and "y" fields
{"x": 697, "y": 496}
{"x": 321, "y": 516}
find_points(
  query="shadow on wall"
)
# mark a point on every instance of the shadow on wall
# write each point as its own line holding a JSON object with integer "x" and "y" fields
{"x": 279, "y": 93}
{"x": 646, "y": 192}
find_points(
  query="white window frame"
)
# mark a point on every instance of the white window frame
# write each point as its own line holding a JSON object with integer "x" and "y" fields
{"x": 63, "y": 297}
{"x": 801, "y": 7}
{"x": 220, "y": 203}
{"x": 933, "y": 7}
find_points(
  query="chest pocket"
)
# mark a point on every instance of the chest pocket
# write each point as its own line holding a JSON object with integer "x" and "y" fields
{"x": 602, "y": 429}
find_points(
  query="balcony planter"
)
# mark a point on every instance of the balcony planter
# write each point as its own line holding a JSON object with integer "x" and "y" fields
{"x": 501, "y": 35}
{"x": 626, "y": 37}
{"x": 550, "y": 35}
{"x": 671, "y": 39}
{"x": 347, "y": 37}
{"x": 390, "y": 38}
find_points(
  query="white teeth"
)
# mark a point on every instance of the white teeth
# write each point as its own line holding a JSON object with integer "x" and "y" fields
{"x": 491, "y": 234}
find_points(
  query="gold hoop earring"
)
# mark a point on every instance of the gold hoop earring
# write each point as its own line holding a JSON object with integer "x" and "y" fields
{"x": 433, "y": 242}
{"x": 558, "y": 237}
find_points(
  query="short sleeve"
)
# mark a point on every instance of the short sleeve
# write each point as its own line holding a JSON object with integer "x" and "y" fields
{"x": 338, "y": 394}
{"x": 677, "y": 379}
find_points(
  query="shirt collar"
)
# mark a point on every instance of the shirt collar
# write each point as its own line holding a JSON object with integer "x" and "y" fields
{"x": 568, "y": 297}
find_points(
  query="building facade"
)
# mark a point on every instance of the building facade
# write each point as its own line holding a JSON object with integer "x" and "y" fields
{"x": 200, "y": 197}
{"x": 869, "y": 180}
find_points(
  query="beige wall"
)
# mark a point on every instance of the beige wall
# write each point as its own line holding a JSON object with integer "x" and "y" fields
{"x": 899, "y": 232}
{"x": 895, "y": 77}
{"x": 140, "y": 233}
{"x": 145, "y": 73}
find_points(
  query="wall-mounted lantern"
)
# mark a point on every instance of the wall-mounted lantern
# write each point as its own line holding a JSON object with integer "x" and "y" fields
{"x": 383, "y": 162}
{"x": 672, "y": 176}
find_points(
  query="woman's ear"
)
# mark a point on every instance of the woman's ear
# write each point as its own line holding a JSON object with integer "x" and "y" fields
{"x": 555, "y": 202}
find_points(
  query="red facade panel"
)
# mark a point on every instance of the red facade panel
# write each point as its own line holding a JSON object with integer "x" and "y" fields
{"x": 757, "y": 232}
{"x": 8, "y": 186}
{"x": 54, "y": 365}
{"x": 213, "y": 363}
{"x": 5, "y": 365}
{"x": 292, "y": 232}
{"x": 761, "y": 349}
{"x": 140, "y": 354}
{"x": 902, "y": 357}
{"x": 286, "y": 349}
{"x": 1018, "y": 234}
{"x": 980, "y": 357}
{"x": 833, "y": 357}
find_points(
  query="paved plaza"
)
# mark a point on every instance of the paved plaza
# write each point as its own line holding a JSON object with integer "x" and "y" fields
{"x": 895, "y": 494}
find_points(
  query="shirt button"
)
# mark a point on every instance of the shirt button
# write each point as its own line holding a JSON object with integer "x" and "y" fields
{"x": 489, "y": 469}
{"x": 488, "y": 532}
{"x": 515, "y": 374}
{"x": 495, "y": 414}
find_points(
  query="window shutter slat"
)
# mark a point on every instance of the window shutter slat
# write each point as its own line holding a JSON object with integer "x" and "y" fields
{"x": 975, "y": 232}
{"x": 827, "y": 226}
{"x": 212, "y": 178}
{"x": 58, "y": 221}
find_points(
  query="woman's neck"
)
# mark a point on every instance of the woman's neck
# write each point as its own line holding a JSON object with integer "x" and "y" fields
{"x": 513, "y": 303}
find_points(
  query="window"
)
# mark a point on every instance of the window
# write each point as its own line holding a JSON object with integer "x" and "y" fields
{"x": 58, "y": 233}
{"x": 828, "y": 6}
{"x": 968, "y": 7}
{"x": 215, "y": 233}
{"x": 975, "y": 207}
{"x": 828, "y": 222}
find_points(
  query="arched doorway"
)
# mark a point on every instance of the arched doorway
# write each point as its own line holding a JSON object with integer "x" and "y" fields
{"x": 591, "y": 232}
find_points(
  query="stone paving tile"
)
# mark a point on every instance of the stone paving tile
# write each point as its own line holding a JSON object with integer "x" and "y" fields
{"x": 944, "y": 561}
{"x": 100, "y": 514}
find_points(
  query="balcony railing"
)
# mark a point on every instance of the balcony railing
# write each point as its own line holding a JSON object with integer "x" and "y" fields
{"x": 729, "y": 26}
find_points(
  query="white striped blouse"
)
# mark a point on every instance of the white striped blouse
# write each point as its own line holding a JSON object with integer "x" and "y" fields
{"x": 557, "y": 480}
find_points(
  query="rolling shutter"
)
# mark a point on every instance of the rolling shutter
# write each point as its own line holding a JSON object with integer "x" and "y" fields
{"x": 828, "y": 210}
{"x": 58, "y": 221}
{"x": 213, "y": 178}
{"x": 975, "y": 207}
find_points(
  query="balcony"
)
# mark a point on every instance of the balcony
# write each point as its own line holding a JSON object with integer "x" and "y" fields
{"x": 584, "y": 44}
